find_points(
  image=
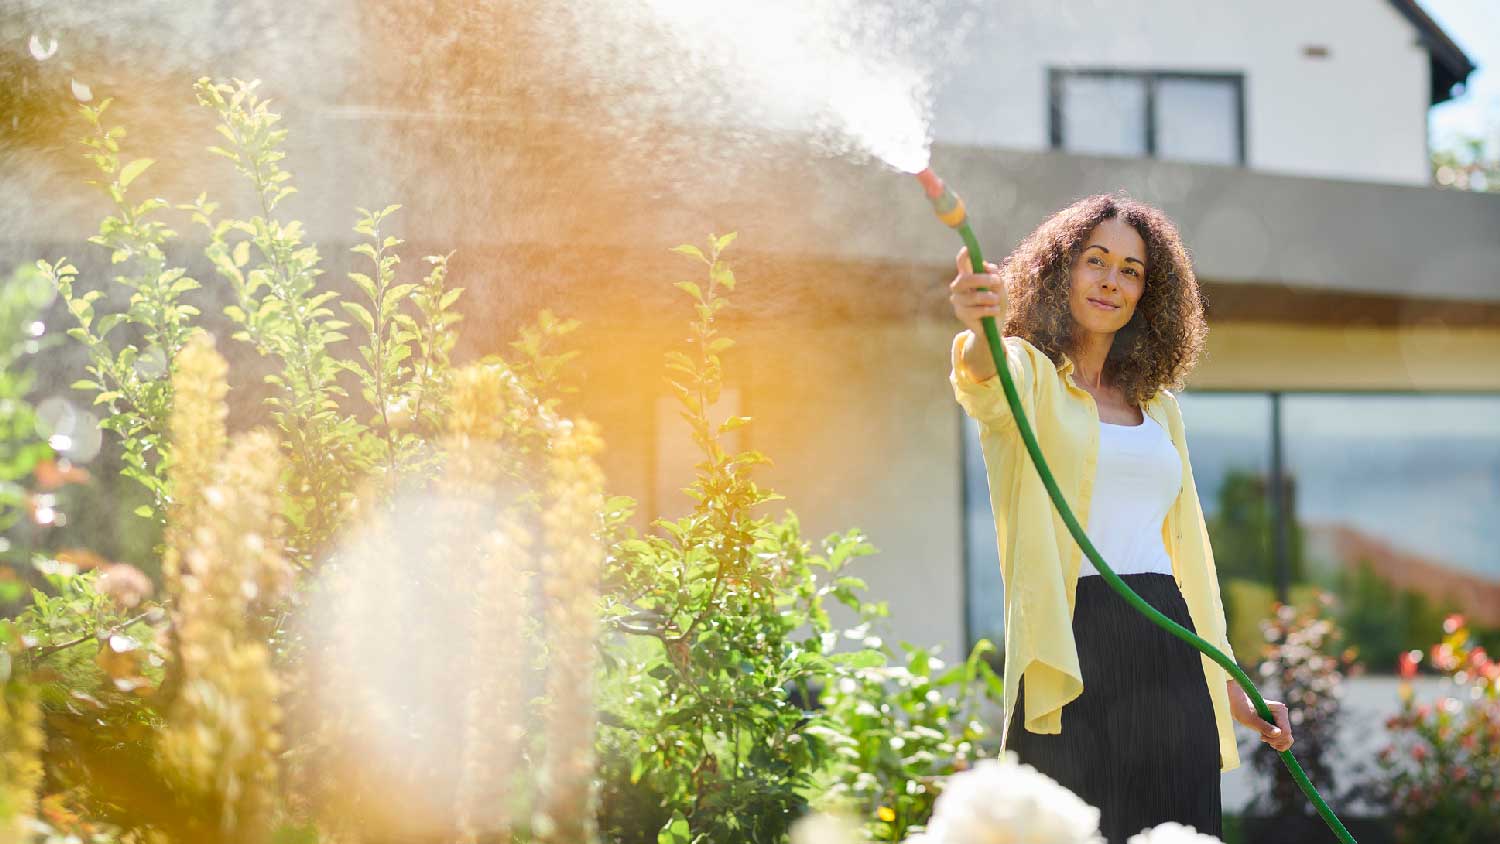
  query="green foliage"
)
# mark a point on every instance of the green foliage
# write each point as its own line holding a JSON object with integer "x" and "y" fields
{"x": 707, "y": 730}
{"x": 722, "y": 631}
{"x": 1441, "y": 770}
{"x": 434, "y": 340}
{"x": 700, "y": 717}
{"x": 21, "y": 299}
{"x": 1247, "y": 605}
{"x": 391, "y": 336}
{"x": 94, "y": 664}
{"x": 1241, "y": 530}
{"x": 898, "y": 729}
{"x": 91, "y": 664}
{"x": 281, "y": 311}
{"x": 1303, "y": 661}
{"x": 537, "y": 368}
{"x": 1468, "y": 162}
{"x": 132, "y": 379}
{"x": 1382, "y": 620}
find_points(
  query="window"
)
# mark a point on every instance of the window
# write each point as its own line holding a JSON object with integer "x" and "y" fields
{"x": 984, "y": 588}
{"x": 1176, "y": 116}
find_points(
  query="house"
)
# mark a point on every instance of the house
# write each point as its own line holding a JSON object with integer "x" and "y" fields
{"x": 1354, "y": 308}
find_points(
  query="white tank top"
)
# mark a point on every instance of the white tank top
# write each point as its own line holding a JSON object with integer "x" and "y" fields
{"x": 1139, "y": 476}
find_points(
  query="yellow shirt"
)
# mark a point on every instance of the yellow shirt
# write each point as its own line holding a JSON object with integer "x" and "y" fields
{"x": 1040, "y": 566}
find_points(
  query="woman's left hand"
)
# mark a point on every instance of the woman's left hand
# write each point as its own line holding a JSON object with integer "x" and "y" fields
{"x": 1243, "y": 710}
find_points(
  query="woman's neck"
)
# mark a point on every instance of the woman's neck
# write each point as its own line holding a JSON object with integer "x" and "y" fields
{"x": 1089, "y": 354}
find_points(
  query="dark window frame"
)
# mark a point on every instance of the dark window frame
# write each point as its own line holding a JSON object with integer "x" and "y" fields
{"x": 1056, "y": 76}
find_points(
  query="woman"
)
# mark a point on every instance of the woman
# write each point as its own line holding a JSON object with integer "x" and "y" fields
{"x": 1100, "y": 315}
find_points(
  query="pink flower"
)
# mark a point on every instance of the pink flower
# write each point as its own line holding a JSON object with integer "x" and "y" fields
{"x": 1406, "y": 663}
{"x": 1419, "y": 752}
{"x": 124, "y": 584}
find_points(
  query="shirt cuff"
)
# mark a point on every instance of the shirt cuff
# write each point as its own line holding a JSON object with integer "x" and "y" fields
{"x": 985, "y": 400}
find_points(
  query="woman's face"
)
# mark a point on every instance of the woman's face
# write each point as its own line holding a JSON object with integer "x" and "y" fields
{"x": 1110, "y": 270}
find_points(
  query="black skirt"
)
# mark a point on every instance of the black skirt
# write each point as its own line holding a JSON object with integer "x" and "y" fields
{"x": 1140, "y": 743}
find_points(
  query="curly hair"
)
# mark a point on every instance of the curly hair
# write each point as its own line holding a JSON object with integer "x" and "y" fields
{"x": 1165, "y": 336}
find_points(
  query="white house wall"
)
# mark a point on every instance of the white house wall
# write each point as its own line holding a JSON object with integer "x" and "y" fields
{"x": 1359, "y": 113}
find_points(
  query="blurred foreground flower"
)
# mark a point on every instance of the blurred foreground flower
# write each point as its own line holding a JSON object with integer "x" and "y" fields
{"x": 823, "y": 828}
{"x": 224, "y": 567}
{"x": 124, "y": 584}
{"x": 1172, "y": 832}
{"x": 418, "y": 688}
{"x": 21, "y": 742}
{"x": 1001, "y": 801}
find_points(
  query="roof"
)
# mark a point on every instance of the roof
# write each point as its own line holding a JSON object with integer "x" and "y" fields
{"x": 1450, "y": 65}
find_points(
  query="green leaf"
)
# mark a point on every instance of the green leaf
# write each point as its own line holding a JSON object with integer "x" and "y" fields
{"x": 133, "y": 169}
{"x": 675, "y": 831}
{"x": 399, "y": 292}
{"x": 724, "y": 241}
{"x": 364, "y": 283}
{"x": 360, "y": 315}
{"x": 689, "y": 249}
{"x": 241, "y": 255}
{"x": 692, "y": 289}
{"x": 144, "y": 511}
{"x": 722, "y": 275}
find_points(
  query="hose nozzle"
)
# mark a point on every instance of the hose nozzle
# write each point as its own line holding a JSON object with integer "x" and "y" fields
{"x": 945, "y": 203}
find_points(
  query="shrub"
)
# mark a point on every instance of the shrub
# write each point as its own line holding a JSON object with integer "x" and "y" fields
{"x": 1303, "y": 663}
{"x": 1440, "y": 773}
{"x": 310, "y": 613}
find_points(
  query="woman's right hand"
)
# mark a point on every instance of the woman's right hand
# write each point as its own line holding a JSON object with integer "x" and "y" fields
{"x": 971, "y": 301}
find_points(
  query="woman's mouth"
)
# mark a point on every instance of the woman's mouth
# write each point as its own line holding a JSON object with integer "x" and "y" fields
{"x": 1102, "y": 305}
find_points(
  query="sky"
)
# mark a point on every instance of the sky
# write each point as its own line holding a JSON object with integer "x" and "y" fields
{"x": 1475, "y": 26}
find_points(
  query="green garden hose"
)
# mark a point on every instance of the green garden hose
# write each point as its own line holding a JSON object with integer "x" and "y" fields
{"x": 950, "y": 209}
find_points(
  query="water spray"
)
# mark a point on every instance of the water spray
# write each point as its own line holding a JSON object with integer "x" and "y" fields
{"x": 950, "y": 209}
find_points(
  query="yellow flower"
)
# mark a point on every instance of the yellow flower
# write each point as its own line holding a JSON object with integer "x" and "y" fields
{"x": 886, "y": 814}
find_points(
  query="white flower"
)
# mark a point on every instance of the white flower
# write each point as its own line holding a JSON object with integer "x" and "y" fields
{"x": 42, "y": 52}
{"x": 1000, "y": 801}
{"x": 823, "y": 828}
{"x": 1172, "y": 832}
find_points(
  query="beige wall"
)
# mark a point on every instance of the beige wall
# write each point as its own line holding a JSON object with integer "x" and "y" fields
{"x": 864, "y": 432}
{"x": 1253, "y": 356}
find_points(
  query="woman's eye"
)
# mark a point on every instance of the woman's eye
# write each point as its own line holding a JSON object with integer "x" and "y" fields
{"x": 1096, "y": 258}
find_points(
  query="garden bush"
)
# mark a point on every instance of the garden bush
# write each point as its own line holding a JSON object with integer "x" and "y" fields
{"x": 1440, "y": 772}
{"x": 405, "y": 609}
